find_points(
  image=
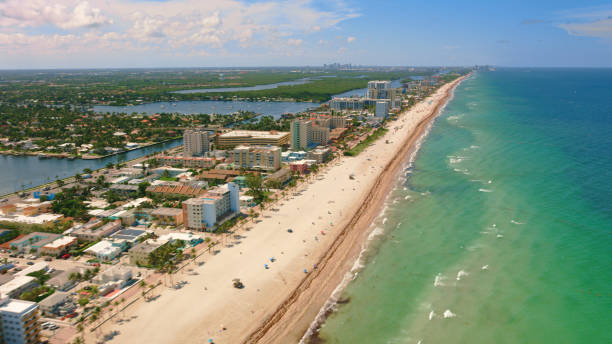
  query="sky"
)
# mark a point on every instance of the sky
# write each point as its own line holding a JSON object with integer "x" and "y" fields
{"x": 227, "y": 33}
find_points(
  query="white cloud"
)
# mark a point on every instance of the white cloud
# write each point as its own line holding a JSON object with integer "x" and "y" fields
{"x": 180, "y": 27}
{"x": 598, "y": 28}
{"x": 63, "y": 14}
{"x": 350, "y": 39}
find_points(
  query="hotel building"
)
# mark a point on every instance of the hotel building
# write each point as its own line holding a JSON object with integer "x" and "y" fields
{"x": 209, "y": 210}
{"x": 257, "y": 158}
{"x": 250, "y": 137}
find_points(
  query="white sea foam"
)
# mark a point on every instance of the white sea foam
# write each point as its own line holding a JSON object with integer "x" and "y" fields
{"x": 489, "y": 182}
{"x": 474, "y": 147}
{"x": 448, "y": 314}
{"x": 500, "y": 236}
{"x": 455, "y": 160}
{"x": 406, "y": 197}
{"x": 485, "y": 267}
{"x": 438, "y": 280}
{"x": 484, "y": 190}
{"x": 432, "y": 314}
{"x": 384, "y": 221}
{"x": 516, "y": 222}
{"x": 461, "y": 274}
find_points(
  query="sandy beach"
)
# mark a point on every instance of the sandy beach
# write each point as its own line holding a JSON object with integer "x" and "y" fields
{"x": 329, "y": 215}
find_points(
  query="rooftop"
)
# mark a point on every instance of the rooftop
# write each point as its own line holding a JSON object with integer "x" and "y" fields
{"x": 17, "y": 306}
{"x": 257, "y": 134}
{"x": 166, "y": 212}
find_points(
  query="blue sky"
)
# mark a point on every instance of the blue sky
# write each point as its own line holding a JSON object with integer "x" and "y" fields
{"x": 202, "y": 33}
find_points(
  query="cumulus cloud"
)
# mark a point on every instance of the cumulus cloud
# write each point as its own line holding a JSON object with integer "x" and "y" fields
{"x": 183, "y": 26}
{"x": 350, "y": 39}
{"x": 67, "y": 15}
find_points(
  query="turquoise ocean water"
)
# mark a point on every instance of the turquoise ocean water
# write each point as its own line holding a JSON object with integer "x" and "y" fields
{"x": 501, "y": 232}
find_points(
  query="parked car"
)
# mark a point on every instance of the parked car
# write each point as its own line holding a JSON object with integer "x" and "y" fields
{"x": 48, "y": 259}
{"x": 66, "y": 256}
{"x": 30, "y": 263}
{"x": 21, "y": 256}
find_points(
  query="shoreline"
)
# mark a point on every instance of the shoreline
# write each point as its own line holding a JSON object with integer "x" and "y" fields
{"x": 343, "y": 252}
{"x": 280, "y": 301}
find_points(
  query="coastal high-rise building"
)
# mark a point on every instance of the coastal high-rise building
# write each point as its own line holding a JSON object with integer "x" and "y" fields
{"x": 257, "y": 157}
{"x": 378, "y": 89}
{"x": 301, "y": 134}
{"x": 19, "y": 321}
{"x": 195, "y": 142}
{"x": 382, "y": 108}
{"x": 205, "y": 212}
{"x": 320, "y": 135}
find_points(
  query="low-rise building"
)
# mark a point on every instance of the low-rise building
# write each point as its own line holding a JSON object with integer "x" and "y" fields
{"x": 96, "y": 231}
{"x": 320, "y": 155}
{"x": 175, "y": 190}
{"x": 17, "y": 286}
{"x": 125, "y": 190}
{"x": 139, "y": 254}
{"x": 62, "y": 280}
{"x": 33, "y": 241}
{"x": 280, "y": 177}
{"x": 19, "y": 321}
{"x": 185, "y": 161}
{"x": 51, "y": 304}
{"x": 130, "y": 235}
{"x": 257, "y": 157}
{"x": 59, "y": 246}
{"x": 168, "y": 216}
{"x": 107, "y": 250}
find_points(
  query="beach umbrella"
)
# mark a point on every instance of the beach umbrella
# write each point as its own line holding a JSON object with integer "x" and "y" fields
{"x": 305, "y": 271}
{"x": 210, "y": 340}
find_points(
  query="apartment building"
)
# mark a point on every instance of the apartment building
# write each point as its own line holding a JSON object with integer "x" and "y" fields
{"x": 320, "y": 135}
{"x": 211, "y": 209}
{"x": 251, "y": 137}
{"x": 266, "y": 158}
{"x": 19, "y": 321}
{"x": 301, "y": 134}
{"x": 195, "y": 142}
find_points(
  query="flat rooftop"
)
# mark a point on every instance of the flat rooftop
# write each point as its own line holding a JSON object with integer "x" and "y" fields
{"x": 257, "y": 134}
{"x": 17, "y": 306}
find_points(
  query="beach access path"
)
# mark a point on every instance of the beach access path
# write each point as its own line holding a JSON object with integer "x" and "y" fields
{"x": 272, "y": 307}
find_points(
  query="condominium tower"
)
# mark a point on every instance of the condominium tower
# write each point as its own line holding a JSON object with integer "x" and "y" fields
{"x": 301, "y": 134}
{"x": 195, "y": 142}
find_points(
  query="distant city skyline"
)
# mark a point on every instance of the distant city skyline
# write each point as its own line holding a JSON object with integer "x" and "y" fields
{"x": 190, "y": 33}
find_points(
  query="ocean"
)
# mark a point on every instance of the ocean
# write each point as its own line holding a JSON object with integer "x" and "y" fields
{"x": 501, "y": 229}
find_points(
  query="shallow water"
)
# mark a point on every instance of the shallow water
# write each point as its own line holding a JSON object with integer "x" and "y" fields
{"x": 502, "y": 232}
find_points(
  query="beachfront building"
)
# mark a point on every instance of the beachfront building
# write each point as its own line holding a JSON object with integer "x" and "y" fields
{"x": 211, "y": 209}
{"x": 175, "y": 190}
{"x": 107, "y": 250}
{"x": 139, "y": 254}
{"x": 301, "y": 134}
{"x": 251, "y": 137}
{"x": 266, "y": 158}
{"x": 195, "y": 142}
{"x": 320, "y": 135}
{"x": 168, "y": 216}
{"x": 320, "y": 155}
{"x": 19, "y": 321}
{"x": 382, "y": 109}
{"x": 59, "y": 246}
